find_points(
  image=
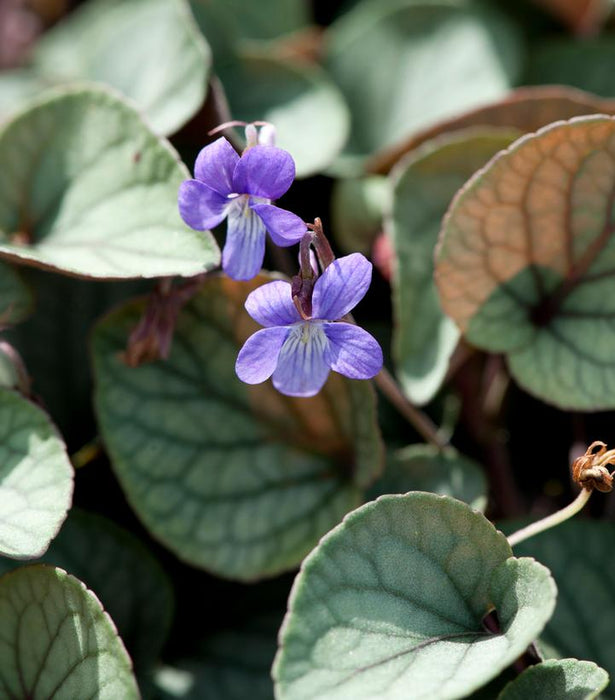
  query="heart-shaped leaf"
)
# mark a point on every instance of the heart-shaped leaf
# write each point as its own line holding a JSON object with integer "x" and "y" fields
{"x": 526, "y": 260}
{"x": 427, "y": 468}
{"x": 15, "y": 297}
{"x": 87, "y": 189}
{"x": 57, "y": 641}
{"x": 423, "y": 187}
{"x": 307, "y": 109}
{"x": 568, "y": 679}
{"x": 525, "y": 109}
{"x": 150, "y": 50}
{"x": 394, "y": 598}
{"x": 582, "y": 626}
{"x": 125, "y": 577}
{"x": 36, "y": 478}
{"x": 379, "y": 52}
{"x": 236, "y": 479}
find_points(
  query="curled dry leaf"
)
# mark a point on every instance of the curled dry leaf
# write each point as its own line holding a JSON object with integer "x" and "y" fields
{"x": 590, "y": 470}
{"x": 526, "y": 109}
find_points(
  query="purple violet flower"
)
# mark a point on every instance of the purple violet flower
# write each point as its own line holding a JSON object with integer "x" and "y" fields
{"x": 240, "y": 189}
{"x": 299, "y": 353}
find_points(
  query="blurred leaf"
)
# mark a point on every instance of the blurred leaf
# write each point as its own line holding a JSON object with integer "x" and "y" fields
{"x": 358, "y": 206}
{"x": 15, "y": 297}
{"x": 125, "y": 577}
{"x": 299, "y": 99}
{"x": 423, "y": 186}
{"x": 526, "y": 260}
{"x": 233, "y": 665}
{"x": 228, "y": 23}
{"x": 578, "y": 554}
{"x": 150, "y": 50}
{"x": 57, "y": 641}
{"x": 426, "y": 468}
{"x": 237, "y": 479}
{"x": 526, "y": 109}
{"x": 36, "y": 478}
{"x": 404, "y": 64}
{"x": 568, "y": 679}
{"x": 86, "y": 189}
{"x": 17, "y": 87}
{"x": 582, "y": 16}
{"x": 582, "y": 64}
{"x": 394, "y": 598}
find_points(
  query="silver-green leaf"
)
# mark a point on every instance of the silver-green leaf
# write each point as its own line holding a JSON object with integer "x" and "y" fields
{"x": 36, "y": 478}
{"x": 57, "y": 642}
{"x": 149, "y": 50}
{"x": 568, "y": 679}
{"x": 394, "y": 598}
{"x": 237, "y": 479}
{"x": 87, "y": 189}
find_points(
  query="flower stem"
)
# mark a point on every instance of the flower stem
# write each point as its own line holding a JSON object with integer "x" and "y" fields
{"x": 551, "y": 520}
{"x": 419, "y": 420}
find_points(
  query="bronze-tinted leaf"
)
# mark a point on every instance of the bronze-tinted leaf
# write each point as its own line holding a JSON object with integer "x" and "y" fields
{"x": 526, "y": 261}
{"x": 526, "y": 109}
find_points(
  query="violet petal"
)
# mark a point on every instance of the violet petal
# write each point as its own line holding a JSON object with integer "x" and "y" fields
{"x": 215, "y": 166}
{"x": 272, "y": 305}
{"x": 264, "y": 171}
{"x": 302, "y": 369}
{"x": 244, "y": 250}
{"x": 352, "y": 351}
{"x": 341, "y": 287}
{"x": 258, "y": 357}
{"x": 199, "y": 206}
{"x": 284, "y": 227}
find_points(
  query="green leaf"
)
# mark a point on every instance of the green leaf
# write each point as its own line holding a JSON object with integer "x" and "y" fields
{"x": 307, "y": 109}
{"x": 17, "y": 87}
{"x": 239, "y": 480}
{"x": 125, "y": 577}
{"x": 15, "y": 297}
{"x": 404, "y": 64}
{"x": 426, "y": 468}
{"x": 423, "y": 186}
{"x": 150, "y": 50}
{"x": 525, "y": 265}
{"x": 228, "y": 23}
{"x": 358, "y": 206}
{"x": 583, "y": 64}
{"x": 578, "y": 554}
{"x": 57, "y": 641}
{"x": 86, "y": 189}
{"x": 233, "y": 665}
{"x": 568, "y": 679}
{"x": 36, "y": 478}
{"x": 394, "y": 598}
